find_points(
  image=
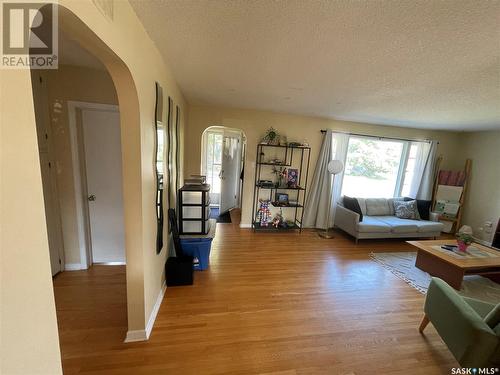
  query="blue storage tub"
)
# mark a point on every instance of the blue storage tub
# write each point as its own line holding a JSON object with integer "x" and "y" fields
{"x": 198, "y": 248}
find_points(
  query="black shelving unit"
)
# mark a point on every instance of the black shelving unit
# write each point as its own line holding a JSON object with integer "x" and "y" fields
{"x": 293, "y": 157}
{"x": 194, "y": 209}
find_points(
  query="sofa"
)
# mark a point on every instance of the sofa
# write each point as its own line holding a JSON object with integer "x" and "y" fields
{"x": 379, "y": 221}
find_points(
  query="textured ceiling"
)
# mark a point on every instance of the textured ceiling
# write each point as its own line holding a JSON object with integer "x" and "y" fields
{"x": 427, "y": 64}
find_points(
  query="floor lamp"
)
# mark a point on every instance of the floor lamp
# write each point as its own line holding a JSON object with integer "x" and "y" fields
{"x": 334, "y": 167}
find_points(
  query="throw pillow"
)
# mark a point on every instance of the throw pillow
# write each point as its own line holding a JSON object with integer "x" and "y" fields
{"x": 353, "y": 205}
{"x": 405, "y": 209}
{"x": 378, "y": 207}
{"x": 423, "y": 206}
{"x": 391, "y": 203}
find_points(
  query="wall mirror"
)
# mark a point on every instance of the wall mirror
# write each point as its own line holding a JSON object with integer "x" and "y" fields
{"x": 159, "y": 165}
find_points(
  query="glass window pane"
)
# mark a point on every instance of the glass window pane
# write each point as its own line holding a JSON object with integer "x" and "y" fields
{"x": 372, "y": 167}
{"x": 214, "y": 158}
{"x": 218, "y": 149}
{"x": 210, "y": 150}
{"x": 215, "y": 185}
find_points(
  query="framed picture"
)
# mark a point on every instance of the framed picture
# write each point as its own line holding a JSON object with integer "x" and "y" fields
{"x": 293, "y": 177}
{"x": 282, "y": 199}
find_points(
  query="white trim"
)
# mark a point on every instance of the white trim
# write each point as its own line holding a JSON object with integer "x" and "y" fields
{"x": 156, "y": 308}
{"x": 109, "y": 263}
{"x": 245, "y": 225}
{"x": 46, "y": 149}
{"x": 81, "y": 212}
{"x": 143, "y": 334}
{"x": 73, "y": 267}
{"x": 138, "y": 335}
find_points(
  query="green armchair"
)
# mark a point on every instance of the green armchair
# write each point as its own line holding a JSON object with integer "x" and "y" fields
{"x": 469, "y": 327}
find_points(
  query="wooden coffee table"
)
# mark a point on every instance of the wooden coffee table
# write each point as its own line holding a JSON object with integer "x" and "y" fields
{"x": 452, "y": 269}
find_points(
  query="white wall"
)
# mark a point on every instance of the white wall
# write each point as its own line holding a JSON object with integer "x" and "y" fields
{"x": 29, "y": 330}
{"x": 297, "y": 128}
{"x": 483, "y": 199}
{"x": 29, "y": 342}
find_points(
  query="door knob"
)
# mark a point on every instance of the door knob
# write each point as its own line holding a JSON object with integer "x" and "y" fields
{"x": 91, "y": 198}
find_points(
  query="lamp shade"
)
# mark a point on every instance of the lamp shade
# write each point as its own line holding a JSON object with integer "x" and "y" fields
{"x": 335, "y": 166}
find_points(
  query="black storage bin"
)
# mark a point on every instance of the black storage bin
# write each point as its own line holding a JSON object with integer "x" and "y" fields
{"x": 179, "y": 271}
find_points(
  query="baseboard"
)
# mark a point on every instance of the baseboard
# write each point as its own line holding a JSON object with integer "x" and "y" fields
{"x": 110, "y": 263}
{"x": 72, "y": 267}
{"x": 143, "y": 334}
{"x": 245, "y": 225}
{"x": 138, "y": 335}
{"x": 154, "y": 312}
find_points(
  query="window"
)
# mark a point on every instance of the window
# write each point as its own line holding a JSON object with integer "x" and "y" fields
{"x": 379, "y": 168}
{"x": 214, "y": 161}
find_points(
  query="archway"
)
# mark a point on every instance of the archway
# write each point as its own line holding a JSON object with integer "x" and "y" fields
{"x": 130, "y": 137}
{"x": 222, "y": 161}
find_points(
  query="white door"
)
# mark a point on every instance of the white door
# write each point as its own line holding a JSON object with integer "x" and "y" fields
{"x": 52, "y": 214}
{"x": 103, "y": 167}
{"x": 230, "y": 172}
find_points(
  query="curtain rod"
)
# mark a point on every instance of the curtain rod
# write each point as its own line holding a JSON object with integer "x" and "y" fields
{"x": 379, "y": 137}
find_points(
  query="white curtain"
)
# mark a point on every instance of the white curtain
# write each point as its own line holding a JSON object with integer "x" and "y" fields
{"x": 340, "y": 144}
{"x": 421, "y": 156}
{"x": 319, "y": 197}
{"x": 429, "y": 174}
{"x": 423, "y": 173}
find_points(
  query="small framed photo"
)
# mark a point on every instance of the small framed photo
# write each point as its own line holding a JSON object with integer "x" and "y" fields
{"x": 293, "y": 178}
{"x": 282, "y": 199}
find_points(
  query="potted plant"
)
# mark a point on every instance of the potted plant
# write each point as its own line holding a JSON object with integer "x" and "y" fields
{"x": 463, "y": 241}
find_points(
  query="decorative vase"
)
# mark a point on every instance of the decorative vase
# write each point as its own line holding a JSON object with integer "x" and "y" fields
{"x": 462, "y": 246}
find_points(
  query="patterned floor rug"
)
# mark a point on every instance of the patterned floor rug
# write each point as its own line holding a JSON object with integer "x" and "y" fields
{"x": 403, "y": 266}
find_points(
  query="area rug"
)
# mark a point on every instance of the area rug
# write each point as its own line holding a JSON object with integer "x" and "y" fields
{"x": 402, "y": 265}
{"x": 224, "y": 218}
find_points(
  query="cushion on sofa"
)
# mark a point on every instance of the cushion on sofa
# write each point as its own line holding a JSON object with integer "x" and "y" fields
{"x": 372, "y": 225}
{"x": 362, "y": 205}
{"x": 377, "y": 207}
{"x": 429, "y": 226}
{"x": 398, "y": 225}
{"x": 423, "y": 206}
{"x": 423, "y": 226}
{"x": 405, "y": 209}
{"x": 353, "y": 205}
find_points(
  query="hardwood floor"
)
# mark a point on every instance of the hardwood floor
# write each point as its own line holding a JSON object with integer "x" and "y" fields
{"x": 268, "y": 304}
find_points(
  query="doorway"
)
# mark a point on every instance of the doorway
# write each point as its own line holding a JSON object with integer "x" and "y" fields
{"x": 101, "y": 174}
{"x": 223, "y": 155}
{"x": 79, "y": 129}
